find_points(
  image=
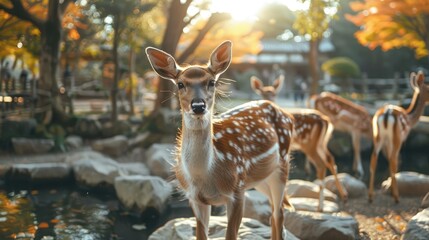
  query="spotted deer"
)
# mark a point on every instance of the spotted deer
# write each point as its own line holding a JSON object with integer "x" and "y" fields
{"x": 346, "y": 116}
{"x": 312, "y": 133}
{"x": 391, "y": 125}
{"x": 218, "y": 158}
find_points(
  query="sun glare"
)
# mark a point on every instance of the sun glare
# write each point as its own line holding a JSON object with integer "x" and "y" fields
{"x": 247, "y": 10}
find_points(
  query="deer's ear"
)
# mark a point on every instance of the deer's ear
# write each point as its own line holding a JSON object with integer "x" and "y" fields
{"x": 413, "y": 78}
{"x": 221, "y": 58}
{"x": 163, "y": 63}
{"x": 256, "y": 84}
{"x": 278, "y": 83}
{"x": 420, "y": 79}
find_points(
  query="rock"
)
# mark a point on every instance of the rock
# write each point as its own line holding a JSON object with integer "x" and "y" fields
{"x": 39, "y": 172}
{"x": 311, "y": 204}
{"x": 135, "y": 168}
{"x": 160, "y": 159}
{"x": 83, "y": 155}
{"x": 87, "y": 128}
{"x": 93, "y": 168}
{"x": 139, "y": 140}
{"x": 92, "y": 171}
{"x": 354, "y": 187}
{"x": 418, "y": 227}
{"x": 73, "y": 142}
{"x": 299, "y": 188}
{"x": 257, "y": 206}
{"x": 425, "y": 201}
{"x": 409, "y": 184}
{"x": 320, "y": 226}
{"x": 143, "y": 192}
{"x": 184, "y": 228}
{"x": 27, "y": 146}
{"x": 114, "y": 146}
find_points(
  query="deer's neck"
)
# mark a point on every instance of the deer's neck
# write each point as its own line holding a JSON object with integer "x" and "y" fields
{"x": 197, "y": 152}
{"x": 416, "y": 108}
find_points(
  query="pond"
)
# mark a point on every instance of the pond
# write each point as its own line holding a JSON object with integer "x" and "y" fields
{"x": 70, "y": 213}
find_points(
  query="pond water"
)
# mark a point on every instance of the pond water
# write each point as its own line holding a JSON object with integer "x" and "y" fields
{"x": 72, "y": 214}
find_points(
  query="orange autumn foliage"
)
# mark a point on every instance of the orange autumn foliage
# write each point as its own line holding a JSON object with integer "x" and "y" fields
{"x": 392, "y": 24}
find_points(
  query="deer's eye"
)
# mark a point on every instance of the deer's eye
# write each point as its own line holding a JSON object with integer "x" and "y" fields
{"x": 211, "y": 83}
{"x": 180, "y": 85}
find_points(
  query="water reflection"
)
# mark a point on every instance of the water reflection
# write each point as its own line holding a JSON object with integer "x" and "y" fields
{"x": 62, "y": 214}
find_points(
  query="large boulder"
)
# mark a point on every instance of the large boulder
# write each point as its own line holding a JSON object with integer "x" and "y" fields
{"x": 28, "y": 146}
{"x": 418, "y": 227}
{"x": 184, "y": 228}
{"x": 409, "y": 184}
{"x": 354, "y": 187}
{"x": 160, "y": 159}
{"x": 321, "y": 226}
{"x": 114, "y": 146}
{"x": 143, "y": 192}
{"x": 304, "y": 189}
{"x": 94, "y": 169}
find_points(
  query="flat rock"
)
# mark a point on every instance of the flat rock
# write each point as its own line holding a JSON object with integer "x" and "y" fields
{"x": 409, "y": 184}
{"x": 36, "y": 172}
{"x": 321, "y": 226}
{"x": 114, "y": 146}
{"x": 184, "y": 229}
{"x": 28, "y": 146}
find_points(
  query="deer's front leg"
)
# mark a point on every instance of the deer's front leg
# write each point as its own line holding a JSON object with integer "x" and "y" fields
{"x": 234, "y": 210}
{"x": 202, "y": 216}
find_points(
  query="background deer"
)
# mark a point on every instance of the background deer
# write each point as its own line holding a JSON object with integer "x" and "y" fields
{"x": 218, "y": 159}
{"x": 391, "y": 126}
{"x": 311, "y": 136}
{"x": 346, "y": 116}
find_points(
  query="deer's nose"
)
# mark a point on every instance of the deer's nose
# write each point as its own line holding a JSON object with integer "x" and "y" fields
{"x": 198, "y": 105}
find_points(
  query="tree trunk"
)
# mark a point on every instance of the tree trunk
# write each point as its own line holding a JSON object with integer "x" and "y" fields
{"x": 114, "y": 90}
{"x": 131, "y": 83}
{"x": 173, "y": 32}
{"x": 50, "y": 108}
{"x": 314, "y": 66}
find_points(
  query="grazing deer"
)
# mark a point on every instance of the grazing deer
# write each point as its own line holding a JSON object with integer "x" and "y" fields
{"x": 346, "y": 116}
{"x": 218, "y": 159}
{"x": 311, "y": 136}
{"x": 391, "y": 125}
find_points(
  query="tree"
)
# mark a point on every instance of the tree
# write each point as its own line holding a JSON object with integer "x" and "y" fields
{"x": 343, "y": 68}
{"x": 313, "y": 23}
{"x": 178, "y": 19}
{"x": 392, "y": 24}
{"x": 120, "y": 11}
{"x": 49, "y": 23}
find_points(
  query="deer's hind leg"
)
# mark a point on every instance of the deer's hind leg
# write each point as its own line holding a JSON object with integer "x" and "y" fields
{"x": 273, "y": 187}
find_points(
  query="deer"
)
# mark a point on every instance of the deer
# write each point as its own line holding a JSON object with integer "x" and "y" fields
{"x": 346, "y": 116}
{"x": 219, "y": 157}
{"x": 391, "y": 125}
{"x": 312, "y": 133}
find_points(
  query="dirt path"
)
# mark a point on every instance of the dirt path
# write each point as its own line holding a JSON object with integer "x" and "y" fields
{"x": 382, "y": 219}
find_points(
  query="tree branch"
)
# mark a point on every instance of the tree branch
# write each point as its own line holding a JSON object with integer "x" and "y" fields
{"x": 20, "y": 12}
{"x": 214, "y": 19}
